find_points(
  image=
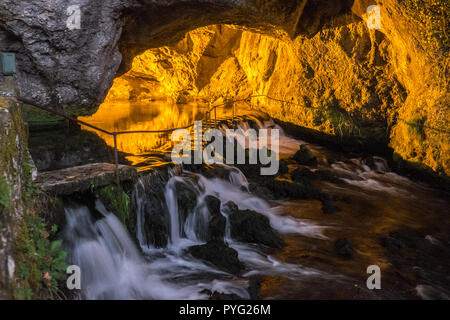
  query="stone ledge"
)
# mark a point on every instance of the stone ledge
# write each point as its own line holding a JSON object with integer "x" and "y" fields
{"x": 83, "y": 178}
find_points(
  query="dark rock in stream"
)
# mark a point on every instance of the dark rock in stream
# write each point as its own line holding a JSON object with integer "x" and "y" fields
{"x": 252, "y": 227}
{"x": 343, "y": 247}
{"x": 399, "y": 240}
{"x": 254, "y": 287}
{"x": 219, "y": 254}
{"x": 156, "y": 224}
{"x": 217, "y": 222}
{"x": 303, "y": 174}
{"x": 284, "y": 168}
{"x": 216, "y": 295}
{"x": 304, "y": 156}
{"x": 329, "y": 208}
{"x": 260, "y": 191}
{"x": 286, "y": 189}
{"x": 187, "y": 199}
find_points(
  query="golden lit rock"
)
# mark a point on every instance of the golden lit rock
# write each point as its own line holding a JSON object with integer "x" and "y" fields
{"x": 347, "y": 80}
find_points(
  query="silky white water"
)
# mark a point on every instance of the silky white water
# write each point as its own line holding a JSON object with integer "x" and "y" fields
{"x": 117, "y": 265}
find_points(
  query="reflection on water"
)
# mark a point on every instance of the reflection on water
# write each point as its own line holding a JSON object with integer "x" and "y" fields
{"x": 397, "y": 224}
{"x": 136, "y": 116}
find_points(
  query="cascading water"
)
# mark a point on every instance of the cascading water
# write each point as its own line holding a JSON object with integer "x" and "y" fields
{"x": 113, "y": 267}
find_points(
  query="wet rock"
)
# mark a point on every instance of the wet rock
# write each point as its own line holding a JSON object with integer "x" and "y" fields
{"x": 156, "y": 224}
{"x": 283, "y": 167}
{"x": 398, "y": 240}
{"x": 230, "y": 207}
{"x": 370, "y": 162}
{"x": 219, "y": 254}
{"x": 216, "y": 295}
{"x": 343, "y": 247}
{"x": 82, "y": 178}
{"x": 187, "y": 199}
{"x": 224, "y": 296}
{"x": 254, "y": 287}
{"x": 329, "y": 208}
{"x": 327, "y": 205}
{"x": 331, "y": 161}
{"x": 304, "y": 156}
{"x": 217, "y": 222}
{"x": 253, "y": 227}
{"x": 303, "y": 174}
{"x": 286, "y": 189}
{"x": 260, "y": 191}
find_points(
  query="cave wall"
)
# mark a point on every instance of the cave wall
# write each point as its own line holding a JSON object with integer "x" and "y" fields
{"x": 344, "y": 78}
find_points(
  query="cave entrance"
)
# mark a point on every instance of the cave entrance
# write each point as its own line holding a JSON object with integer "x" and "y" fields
{"x": 173, "y": 86}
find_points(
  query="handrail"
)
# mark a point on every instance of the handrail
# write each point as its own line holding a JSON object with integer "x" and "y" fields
{"x": 60, "y": 114}
{"x": 29, "y": 102}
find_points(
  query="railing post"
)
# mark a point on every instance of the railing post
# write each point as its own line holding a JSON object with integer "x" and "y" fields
{"x": 116, "y": 159}
{"x": 232, "y": 107}
{"x": 215, "y": 117}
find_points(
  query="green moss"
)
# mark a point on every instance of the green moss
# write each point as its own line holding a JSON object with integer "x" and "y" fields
{"x": 35, "y": 116}
{"x": 4, "y": 193}
{"x": 328, "y": 110}
{"x": 117, "y": 201}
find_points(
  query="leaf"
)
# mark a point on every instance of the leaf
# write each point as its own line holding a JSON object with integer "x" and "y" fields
{"x": 54, "y": 228}
{"x": 55, "y": 246}
{"x": 47, "y": 276}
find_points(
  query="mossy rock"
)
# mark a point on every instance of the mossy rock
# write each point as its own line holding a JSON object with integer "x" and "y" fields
{"x": 117, "y": 201}
{"x": 4, "y": 194}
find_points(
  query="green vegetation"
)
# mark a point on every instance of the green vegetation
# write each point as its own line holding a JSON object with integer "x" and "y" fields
{"x": 37, "y": 117}
{"x": 40, "y": 262}
{"x": 327, "y": 111}
{"x": 4, "y": 193}
{"x": 117, "y": 201}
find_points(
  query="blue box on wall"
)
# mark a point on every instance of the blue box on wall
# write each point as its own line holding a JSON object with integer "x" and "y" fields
{"x": 8, "y": 63}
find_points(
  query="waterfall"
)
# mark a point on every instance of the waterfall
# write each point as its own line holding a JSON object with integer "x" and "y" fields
{"x": 110, "y": 263}
{"x": 172, "y": 204}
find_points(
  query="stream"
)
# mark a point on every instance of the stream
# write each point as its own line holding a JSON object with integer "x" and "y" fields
{"x": 386, "y": 219}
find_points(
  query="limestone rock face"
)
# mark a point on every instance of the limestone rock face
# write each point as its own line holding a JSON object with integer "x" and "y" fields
{"x": 340, "y": 76}
{"x": 16, "y": 171}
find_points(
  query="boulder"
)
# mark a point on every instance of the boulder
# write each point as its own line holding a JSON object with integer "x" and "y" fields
{"x": 329, "y": 208}
{"x": 343, "y": 247}
{"x": 297, "y": 190}
{"x": 187, "y": 199}
{"x": 253, "y": 227}
{"x": 304, "y": 156}
{"x": 156, "y": 224}
{"x": 219, "y": 254}
{"x": 217, "y": 222}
